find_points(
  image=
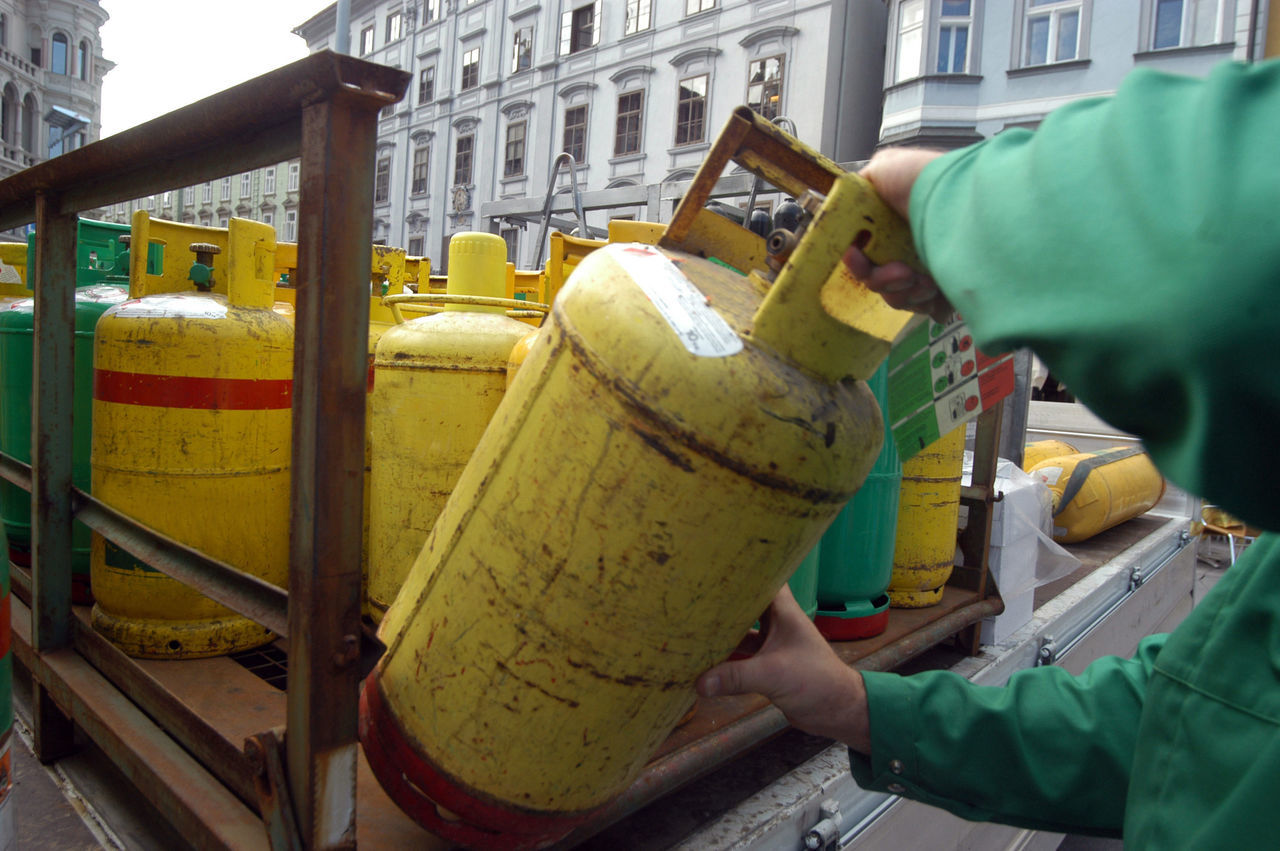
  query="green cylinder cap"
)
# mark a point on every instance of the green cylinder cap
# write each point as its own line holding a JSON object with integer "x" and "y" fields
{"x": 477, "y": 267}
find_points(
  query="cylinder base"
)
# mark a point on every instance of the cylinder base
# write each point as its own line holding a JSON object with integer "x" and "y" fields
{"x": 439, "y": 804}
{"x": 858, "y": 619}
{"x": 166, "y": 639}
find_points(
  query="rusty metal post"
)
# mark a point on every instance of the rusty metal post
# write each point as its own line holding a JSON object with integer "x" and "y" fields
{"x": 329, "y": 384}
{"x": 54, "y": 284}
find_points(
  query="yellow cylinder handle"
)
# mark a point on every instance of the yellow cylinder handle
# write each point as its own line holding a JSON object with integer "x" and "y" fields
{"x": 848, "y": 336}
{"x": 436, "y": 303}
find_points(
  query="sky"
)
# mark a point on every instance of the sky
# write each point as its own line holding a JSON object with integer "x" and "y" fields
{"x": 169, "y": 53}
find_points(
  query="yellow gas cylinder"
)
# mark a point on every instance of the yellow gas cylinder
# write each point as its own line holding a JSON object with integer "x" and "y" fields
{"x": 437, "y": 382}
{"x": 1040, "y": 450}
{"x": 191, "y": 436}
{"x": 519, "y": 354}
{"x": 629, "y": 230}
{"x": 1093, "y": 491}
{"x": 13, "y": 273}
{"x": 676, "y": 443}
{"x": 924, "y": 551}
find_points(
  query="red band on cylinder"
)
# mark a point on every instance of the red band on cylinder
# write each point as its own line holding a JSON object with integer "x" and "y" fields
{"x": 417, "y": 788}
{"x": 184, "y": 391}
{"x": 848, "y": 629}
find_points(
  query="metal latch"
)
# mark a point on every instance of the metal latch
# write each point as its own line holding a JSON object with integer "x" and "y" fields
{"x": 826, "y": 833}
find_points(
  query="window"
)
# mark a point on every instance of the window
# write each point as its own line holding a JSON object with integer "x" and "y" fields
{"x": 426, "y": 85}
{"x": 691, "y": 110}
{"x": 394, "y": 21}
{"x": 513, "y": 158}
{"x": 522, "y": 50}
{"x": 246, "y": 184}
{"x": 293, "y": 177}
{"x": 206, "y": 193}
{"x": 224, "y": 190}
{"x": 4, "y": 30}
{"x": 471, "y": 68}
{"x": 693, "y": 7}
{"x": 224, "y": 220}
{"x": 637, "y": 17}
{"x": 36, "y": 57}
{"x": 910, "y": 40}
{"x": 167, "y": 199}
{"x": 575, "y": 133}
{"x": 416, "y": 246}
{"x": 430, "y": 11}
{"x": 1052, "y": 31}
{"x": 59, "y": 54}
{"x": 269, "y": 217}
{"x": 462, "y": 160}
{"x": 188, "y": 197}
{"x": 1187, "y": 23}
{"x": 421, "y": 163}
{"x": 382, "y": 181}
{"x": 290, "y": 225}
{"x": 82, "y": 60}
{"x": 764, "y": 86}
{"x": 149, "y": 202}
{"x": 953, "y": 37}
{"x": 511, "y": 236}
{"x": 580, "y": 28}
{"x": 626, "y": 137}
{"x": 269, "y": 180}
{"x": 366, "y": 40}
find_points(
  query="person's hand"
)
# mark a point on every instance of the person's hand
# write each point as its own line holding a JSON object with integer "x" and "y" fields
{"x": 797, "y": 670}
{"x": 893, "y": 173}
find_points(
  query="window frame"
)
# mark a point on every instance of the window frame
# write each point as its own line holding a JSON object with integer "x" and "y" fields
{"x": 294, "y": 171}
{"x": 366, "y": 40}
{"x": 955, "y": 24}
{"x": 684, "y": 123}
{"x": 66, "y": 54}
{"x": 290, "y": 225}
{"x": 224, "y": 189}
{"x": 513, "y": 165}
{"x": 394, "y": 28}
{"x": 269, "y": 180}
{"x": 420, "y": 170}
{"x": 246, "y": 184}
{"x": 522, "y": 51}
{"x": 470, "y": 69}
{"x": 464, "y": 161}
{"x": 765, "y": 84}
{"x": 382, "y": 180}
{"x": 426, "y": 85}
{"x": 83, "y": 52}
{"x": 638, "y": 17}
{"x": 574, "y": 137}
{"x": 1053, "y": 11}
{"x": 206, "y": 193}
{"x": 628, "y": 118}
{"x": 697, "y": 7}
{"x": 1223, "y": 11}
{"x": 571, "y": 29}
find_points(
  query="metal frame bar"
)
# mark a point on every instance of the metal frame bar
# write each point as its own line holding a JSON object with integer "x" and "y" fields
{"x": 324, "y": 109}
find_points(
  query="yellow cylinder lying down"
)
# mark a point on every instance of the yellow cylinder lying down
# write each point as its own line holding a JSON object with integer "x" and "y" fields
{"x": 924, "y": 551}
{"x": 191, "y": 436}
{"x": 437, "y": 382}
{"x": 1040, "y": 450}
{"x": 650, "y": 480}
{"x": 1093, "y": 491}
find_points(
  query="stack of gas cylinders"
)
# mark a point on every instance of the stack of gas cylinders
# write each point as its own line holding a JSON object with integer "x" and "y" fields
{"x": 583, "y": 483}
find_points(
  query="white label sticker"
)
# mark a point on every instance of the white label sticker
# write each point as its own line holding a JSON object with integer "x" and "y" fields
{"x": 702, "y": 331}
{"x": 1049, "y": 475}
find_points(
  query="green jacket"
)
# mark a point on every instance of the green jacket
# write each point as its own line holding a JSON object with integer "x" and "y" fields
{"x": 1134, "y": 243}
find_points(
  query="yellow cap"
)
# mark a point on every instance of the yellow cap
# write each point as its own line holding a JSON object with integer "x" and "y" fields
{"x": 478, "y": 267}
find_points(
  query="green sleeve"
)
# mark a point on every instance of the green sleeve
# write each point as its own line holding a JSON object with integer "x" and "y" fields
{"x": 1049, "y": 750}
{"x": 1132, "y": 242}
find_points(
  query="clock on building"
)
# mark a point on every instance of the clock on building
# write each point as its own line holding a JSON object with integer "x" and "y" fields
{"x": 461, "y": 198}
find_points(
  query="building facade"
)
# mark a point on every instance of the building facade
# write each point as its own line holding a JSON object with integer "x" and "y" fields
{"x": 635, "y": 90}
{"x": 960, "y": 70}
{"x": 51, "y": 70}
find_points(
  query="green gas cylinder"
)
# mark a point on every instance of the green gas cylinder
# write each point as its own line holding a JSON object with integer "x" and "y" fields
{"x": 856, "y": 559}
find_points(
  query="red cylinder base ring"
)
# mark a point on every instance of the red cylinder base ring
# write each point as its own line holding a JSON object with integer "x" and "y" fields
{"x": 848, "y": 629}
{"x": 422, "y": 791}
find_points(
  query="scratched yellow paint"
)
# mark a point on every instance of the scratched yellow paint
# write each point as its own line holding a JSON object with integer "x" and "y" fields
{"x": 216, "y": 480}
{"x": 924, "y": 551}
